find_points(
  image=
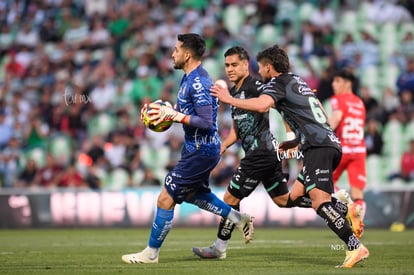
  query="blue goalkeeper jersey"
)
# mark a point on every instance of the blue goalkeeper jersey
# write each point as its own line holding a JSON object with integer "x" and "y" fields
{"x": 195, "y": 92}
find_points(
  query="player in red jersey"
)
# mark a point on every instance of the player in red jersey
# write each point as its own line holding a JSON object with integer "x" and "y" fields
{"x": 348, "y": 121}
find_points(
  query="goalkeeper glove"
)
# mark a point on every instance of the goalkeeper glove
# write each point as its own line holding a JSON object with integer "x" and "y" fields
{"x": 159, "y": 113}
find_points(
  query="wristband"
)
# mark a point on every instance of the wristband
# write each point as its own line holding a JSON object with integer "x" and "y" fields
{"x": 290, "y": 136}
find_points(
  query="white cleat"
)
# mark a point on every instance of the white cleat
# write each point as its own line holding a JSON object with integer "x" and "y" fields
{"x": 246, "y": 227}
{"x": 143, "y": 257}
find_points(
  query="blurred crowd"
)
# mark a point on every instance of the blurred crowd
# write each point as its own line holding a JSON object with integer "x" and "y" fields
{"x": 74, "y": 75}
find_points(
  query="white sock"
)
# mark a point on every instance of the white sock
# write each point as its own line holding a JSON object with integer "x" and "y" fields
{"x": 151, "y": 252}
{"x": 221, "y": 245}
{"x": 234, "y": 216}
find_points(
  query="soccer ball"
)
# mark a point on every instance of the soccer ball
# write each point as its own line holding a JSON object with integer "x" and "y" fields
{"x": 163, "y": 126}
{"x": 221, "y": 83}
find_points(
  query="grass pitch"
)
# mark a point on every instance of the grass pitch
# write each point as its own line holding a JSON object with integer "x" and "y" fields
{"x": 273, "y": 251}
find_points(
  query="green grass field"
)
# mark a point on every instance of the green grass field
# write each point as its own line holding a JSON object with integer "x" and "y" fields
{"x": 273, "y": 251}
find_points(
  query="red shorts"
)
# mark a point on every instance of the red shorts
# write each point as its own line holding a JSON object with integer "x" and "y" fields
{"x": 355, "y": 164}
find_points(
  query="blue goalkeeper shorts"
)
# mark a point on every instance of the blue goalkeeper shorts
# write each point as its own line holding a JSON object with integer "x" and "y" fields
{"x": 190, "y": 175}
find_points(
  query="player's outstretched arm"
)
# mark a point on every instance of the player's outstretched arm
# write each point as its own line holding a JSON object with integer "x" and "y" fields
{"x": 260, "y": 104}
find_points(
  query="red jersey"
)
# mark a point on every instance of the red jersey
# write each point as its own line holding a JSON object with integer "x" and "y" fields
{"x": 350, "y": 129}
{"x": 407, "y": 164}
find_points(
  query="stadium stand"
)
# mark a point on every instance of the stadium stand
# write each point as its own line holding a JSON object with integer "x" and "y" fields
{"x": 133, "y": 38}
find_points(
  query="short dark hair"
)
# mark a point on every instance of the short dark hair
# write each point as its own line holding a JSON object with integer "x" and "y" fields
{"x": 345, "y": 74}
{"x": 276, "y": 56}
{"x": 193, "y": 42}
{"x": 240, "y": 51}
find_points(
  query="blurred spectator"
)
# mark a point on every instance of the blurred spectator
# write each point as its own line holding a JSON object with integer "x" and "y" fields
{"x": 389, "y": 103}
{"x": 48, "y": 176}
{"x": 267, "y": 10}
{"x": 367, "y": 49}
{"x": 71, "y": 122}
{"x": 99, "y": 35}
{"x": 96, "y": 151}
{"x": 48, "y": 31}
{"x": 72, "y": 178}
{"x": 347, "y": 51}
{"x": 27, "y": 36}
{"x": 307, "y": 40}
{"x": 373, "y": 138}
{"x": 13, "y": 67}
{"x": 37, "y": 132}
{"x": 382, "y": 11}
{"x": 405, "y": 80}
{"x": 407, "y": 164}
{"x": 323, "y": 17}
{"x": 28, "y": 174}
{"x": 150, "y": 179}
{"x": 223, "y": 172}
{"x": 92, "y": 178}
{"x": 77, "y": 35}
{"x": 324, "y": 89}
{"x": 6, "y": 130}
{"x": 405, "y": 50}
{"x": 96, "y": 7}
{"x": 145, "y": 87}
{"x": 102, "y": 94}
{"x": 9, "y": 163}
{"x": 175, "y": 144}
{"x": 406, "y": 108}
{"x": 370, "y": 103}
{"x": 6, "y": 38}
{"x": 115, "y": 150}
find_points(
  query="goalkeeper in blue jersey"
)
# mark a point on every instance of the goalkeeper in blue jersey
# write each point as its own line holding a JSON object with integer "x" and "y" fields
{"x": 188, "y": 181}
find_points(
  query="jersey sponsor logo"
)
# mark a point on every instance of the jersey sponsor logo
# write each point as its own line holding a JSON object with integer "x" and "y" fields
{"x": 320, "y": 171}
{"x": 249, "y": 180}
{"x": 240, "y": 117}
{"x": 303, "y": 86}
{"x": 197, "y": 85}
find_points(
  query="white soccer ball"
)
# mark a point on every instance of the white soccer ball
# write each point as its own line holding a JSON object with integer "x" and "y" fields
{"x": 221, "y": 83}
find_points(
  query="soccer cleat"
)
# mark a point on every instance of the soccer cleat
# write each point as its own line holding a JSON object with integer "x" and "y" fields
{"x": 397, "y": 227}
{"x": 354, "y": 214}
{"x": 343, "y": 196}
{"x": 210, "y": 252}
{"x": 355, "y": 256}
{"x": 355, "y": 219}
{"x": 246, "y": 227}
{"x": 143, "y": 257}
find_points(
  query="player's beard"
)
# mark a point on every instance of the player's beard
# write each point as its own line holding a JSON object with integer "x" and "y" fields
{"x": 178, "y": 65}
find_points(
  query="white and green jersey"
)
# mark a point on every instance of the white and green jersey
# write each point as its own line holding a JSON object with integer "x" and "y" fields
{"x": 301, "y": 109}
{"x": 252, "y": 127}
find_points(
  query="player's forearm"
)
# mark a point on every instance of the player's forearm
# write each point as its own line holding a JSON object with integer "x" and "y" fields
{"x": 203, "y": 119}
{"x": 251, "y": 104}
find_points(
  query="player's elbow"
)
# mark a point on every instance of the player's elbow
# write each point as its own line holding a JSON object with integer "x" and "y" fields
{"x": 262, "y": 108}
